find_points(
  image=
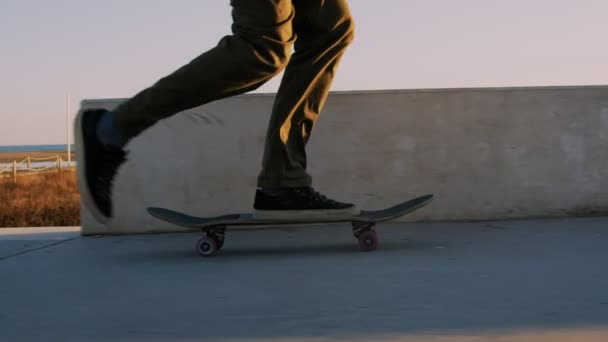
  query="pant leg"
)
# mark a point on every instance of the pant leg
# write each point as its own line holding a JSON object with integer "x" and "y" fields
{"x": 258, "y": 49}
{"x": 324, "y": 29}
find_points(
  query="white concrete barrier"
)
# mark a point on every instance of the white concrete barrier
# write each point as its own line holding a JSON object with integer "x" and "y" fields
{"x": 490, "y": 153}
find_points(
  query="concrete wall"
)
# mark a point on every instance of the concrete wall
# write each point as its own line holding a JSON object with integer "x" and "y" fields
{"x": 485, "y": 153}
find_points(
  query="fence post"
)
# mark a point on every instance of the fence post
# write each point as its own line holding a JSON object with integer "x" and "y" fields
{"x": 29, "y": 163}
{"x": 58, "y": 163}
{"x": 14, "y": 171}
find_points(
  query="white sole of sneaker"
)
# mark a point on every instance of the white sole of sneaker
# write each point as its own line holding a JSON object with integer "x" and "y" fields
{"x": 81, "y": 172}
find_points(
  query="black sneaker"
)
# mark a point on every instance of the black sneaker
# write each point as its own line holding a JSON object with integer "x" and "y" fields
{"x": 96, "y": 164}
{"x": 299, "y": 203}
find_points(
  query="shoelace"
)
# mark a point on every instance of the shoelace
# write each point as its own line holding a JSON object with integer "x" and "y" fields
{"x": 313, "y": 196}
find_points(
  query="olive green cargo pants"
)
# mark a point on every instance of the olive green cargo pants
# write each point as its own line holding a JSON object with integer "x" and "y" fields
{"x": 263, "y": 35}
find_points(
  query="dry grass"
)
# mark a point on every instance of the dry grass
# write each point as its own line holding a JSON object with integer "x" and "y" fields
{"x": 49, "y": 199}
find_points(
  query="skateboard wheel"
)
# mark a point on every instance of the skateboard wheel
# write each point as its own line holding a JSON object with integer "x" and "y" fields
{"x": 206, "y": 246}
{"x": 368, "y": 241}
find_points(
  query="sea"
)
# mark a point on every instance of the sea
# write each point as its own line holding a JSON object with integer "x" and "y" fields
{"x": 34, "y": 148}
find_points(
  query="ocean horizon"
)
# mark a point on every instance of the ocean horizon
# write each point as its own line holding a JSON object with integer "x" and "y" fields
{"x": 34, "y": 148}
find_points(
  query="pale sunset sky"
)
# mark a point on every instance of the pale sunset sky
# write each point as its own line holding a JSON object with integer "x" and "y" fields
{"x": 114, "y": 48}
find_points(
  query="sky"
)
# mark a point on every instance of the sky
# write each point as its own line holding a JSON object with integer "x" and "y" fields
{"x": 114, "y": 48}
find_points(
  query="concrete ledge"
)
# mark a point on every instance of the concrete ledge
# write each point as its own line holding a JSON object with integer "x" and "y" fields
{"x": 492, "y": 153}
{"x": 38, "y": 233}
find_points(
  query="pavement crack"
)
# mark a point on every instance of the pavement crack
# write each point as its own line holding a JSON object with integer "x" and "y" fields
{"x": 2, "y": 258}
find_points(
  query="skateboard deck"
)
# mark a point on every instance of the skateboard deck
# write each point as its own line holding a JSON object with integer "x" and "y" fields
{"x": 214, "y": 227}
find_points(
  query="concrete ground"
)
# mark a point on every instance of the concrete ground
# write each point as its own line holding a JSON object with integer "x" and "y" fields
{"x": 534, "y": 280}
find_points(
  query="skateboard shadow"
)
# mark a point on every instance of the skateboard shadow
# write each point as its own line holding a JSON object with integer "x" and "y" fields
{"x": 389, "y": 247}
{"x": 242, "y": 251}
{"x": 298, "y": 251}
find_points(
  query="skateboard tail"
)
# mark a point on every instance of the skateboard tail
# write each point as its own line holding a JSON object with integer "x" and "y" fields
{"x": 395, "y": 211}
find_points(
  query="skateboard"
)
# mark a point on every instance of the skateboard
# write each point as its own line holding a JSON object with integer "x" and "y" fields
{"x": 214, "y": 228}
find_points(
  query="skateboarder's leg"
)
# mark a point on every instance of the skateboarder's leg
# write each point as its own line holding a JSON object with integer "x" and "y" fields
{"x": 324, "y": 30}
{"x": 258, "y": 49}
